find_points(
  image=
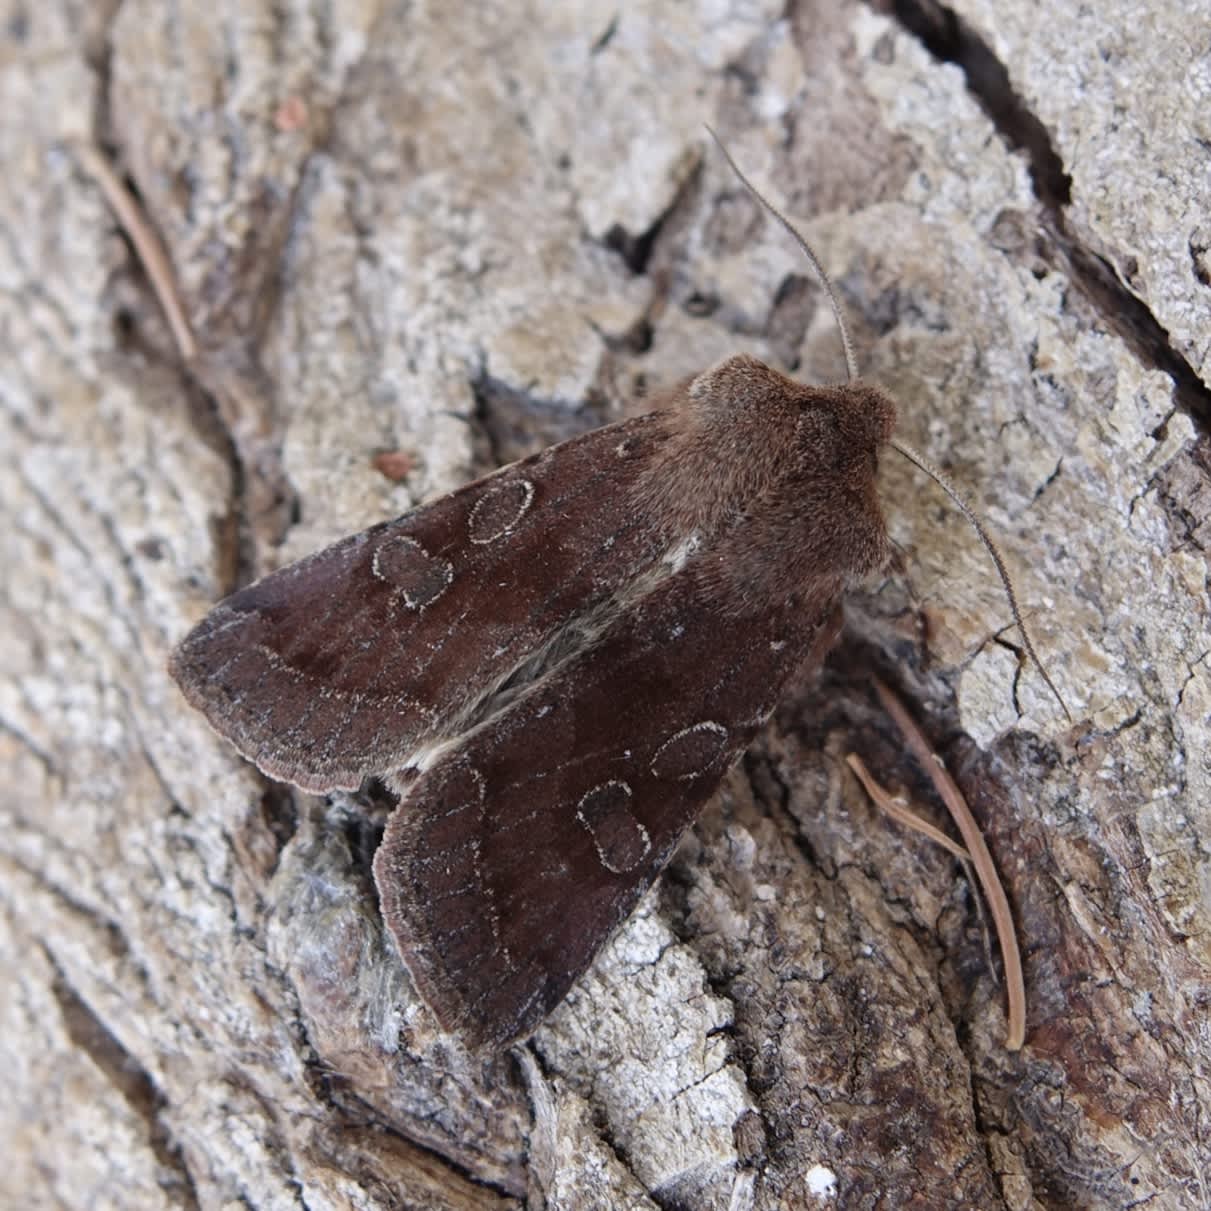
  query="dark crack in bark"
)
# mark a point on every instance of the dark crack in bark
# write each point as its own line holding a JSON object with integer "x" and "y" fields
{"x": 951, "y": 40}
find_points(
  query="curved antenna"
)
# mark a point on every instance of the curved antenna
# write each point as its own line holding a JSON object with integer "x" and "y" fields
{"x": 917, "y": 459}
{"x": 921, "y": 462}
{"x": 851, "y": 366}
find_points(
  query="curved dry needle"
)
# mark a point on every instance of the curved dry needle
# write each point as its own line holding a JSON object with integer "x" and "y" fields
{"x": 897, "y": 808}
{"x": 899, "y": 811}
{"x": 902, "y": 447}
{"x": 148, "y": 247}
{"x": 981, "y": 860}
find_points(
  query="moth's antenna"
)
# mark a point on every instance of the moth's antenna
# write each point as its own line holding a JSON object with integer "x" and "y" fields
{"x": 920, "y": 461}
{"x": 903, "y": 448}
{"x": 851, "y": 366}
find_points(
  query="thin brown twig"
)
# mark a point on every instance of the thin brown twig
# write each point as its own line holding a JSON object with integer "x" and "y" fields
{"x": 896, "y": 807}
{"x": 147, "y": 245}
{"x": 897, "y": 810}
{"x": 981, "y": 860}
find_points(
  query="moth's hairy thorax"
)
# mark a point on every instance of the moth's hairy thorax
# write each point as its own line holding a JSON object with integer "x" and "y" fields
{"x": 760, "y": 488}
{"x": 774, "y": 478}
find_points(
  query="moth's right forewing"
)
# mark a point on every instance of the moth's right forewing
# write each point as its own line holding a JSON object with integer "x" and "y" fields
{"x": 510, "y": 861}
{"x": 338, "y": 666}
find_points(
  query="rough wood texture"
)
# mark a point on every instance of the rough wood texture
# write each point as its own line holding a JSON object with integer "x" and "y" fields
{"x": 413, "y": 227}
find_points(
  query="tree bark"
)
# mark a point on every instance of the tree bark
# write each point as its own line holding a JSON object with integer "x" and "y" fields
{"x": 456, "y": 234}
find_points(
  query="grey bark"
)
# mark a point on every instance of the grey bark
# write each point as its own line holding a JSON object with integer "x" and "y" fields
{"x": 463, "y": 234}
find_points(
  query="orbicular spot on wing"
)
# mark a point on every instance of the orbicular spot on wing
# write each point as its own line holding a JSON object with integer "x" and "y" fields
{"x": 691, "y": 752}
{"x": 421, "y": 578}
{"x": 620, "y": 840}
{"x": 499, "y": 509}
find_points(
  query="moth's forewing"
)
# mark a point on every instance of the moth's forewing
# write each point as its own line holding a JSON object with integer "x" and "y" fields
{"x": 341, "y": 665}
{"x": 509, "y": 863}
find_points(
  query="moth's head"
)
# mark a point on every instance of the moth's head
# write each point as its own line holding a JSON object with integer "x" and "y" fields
{"x": 796, "y": 462}
{"x": 866, "y": 413}
{"x": 838, "y": 434}
{"x": 756, "y": 428}
{"x": 842, "y": 429}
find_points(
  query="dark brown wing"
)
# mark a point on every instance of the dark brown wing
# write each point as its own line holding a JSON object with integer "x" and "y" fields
{"x": 340, "y": 665}
{"x": 511, "y": 860}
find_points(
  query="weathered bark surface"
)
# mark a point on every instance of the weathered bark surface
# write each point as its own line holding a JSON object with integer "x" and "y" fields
{"x": 463, "y": 231}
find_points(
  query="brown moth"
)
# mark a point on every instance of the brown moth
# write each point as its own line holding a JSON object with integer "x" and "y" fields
{"x": 556, "y": 665}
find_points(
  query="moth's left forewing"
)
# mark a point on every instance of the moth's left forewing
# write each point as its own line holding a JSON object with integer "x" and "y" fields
{"x": 341, "y": 665}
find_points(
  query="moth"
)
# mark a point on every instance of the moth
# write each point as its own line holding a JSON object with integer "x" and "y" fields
{"x": 555, "y": 666}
